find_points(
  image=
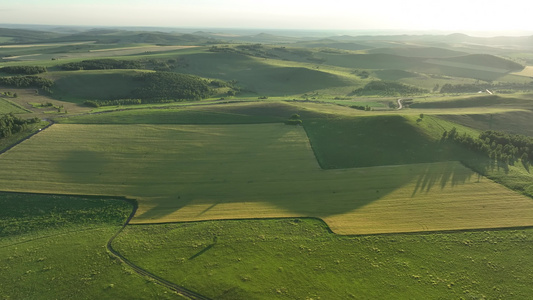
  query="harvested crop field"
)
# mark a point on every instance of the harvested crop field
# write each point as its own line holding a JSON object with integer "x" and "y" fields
{"x": 190, "y": 173}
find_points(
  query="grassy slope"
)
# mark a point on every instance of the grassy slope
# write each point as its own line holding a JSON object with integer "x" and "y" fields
{"x": 54, "y": 247}
{"x": 482, "y": 67}
{"x": 78, "y": 86}
{"x": 519, "y": 122}
{"x": 6, "y": 107}
{"x": 429, "y": 52}
{"x": 193, "y": 115}
{"x": 299, "y": 259}
{"x": 477, "y": 102}
{"x": 261, "y": 76}
{"x": 374, "y": 141}
{"x": 255, "y": 76}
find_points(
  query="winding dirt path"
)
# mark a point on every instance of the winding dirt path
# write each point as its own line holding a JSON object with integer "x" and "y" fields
{"x": 400, "y": 105}
{"x": 176, "y": 288}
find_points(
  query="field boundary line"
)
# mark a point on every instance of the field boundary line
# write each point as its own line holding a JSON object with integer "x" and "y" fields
{"x": 51, "y": 236}
{"x": 27, "y": 137}
{"x": 176, "y": 288}
{"x": 330, "y": 231}
{"x": 15, "y": 105}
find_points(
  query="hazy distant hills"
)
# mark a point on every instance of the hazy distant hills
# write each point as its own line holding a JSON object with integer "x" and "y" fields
{"x": 408, "y": 45}
{"x": 27, "y": 36}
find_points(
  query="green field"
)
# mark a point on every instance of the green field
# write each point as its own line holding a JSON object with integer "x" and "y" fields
{"x": 6, "y": 107}
{"x": 54, "y": 247}
{"x": 4, "y": 39}
{"x": 347, "y": 142}
{"x": 239, "y": 113}
{"x": 517, "y": 122}
{"x": 263, "y": 77}
{"x": 299, "y": 259}
{"x": 188, "y": 173}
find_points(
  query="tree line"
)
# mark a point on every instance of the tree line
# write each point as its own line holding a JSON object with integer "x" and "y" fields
{"x": 496, "y": 145}
{"x": 98, "y": 103}
{"x": 23, "y": 70}
{"x": 31, "y": 81}
{"x": 163, "y": 87}
{"x": 101, "y": 64}
{"x": 171, "y": 86}
{"x": 474, "y": 88}
{"x": 10, "y": 124}
{"x": 387, "y": 88}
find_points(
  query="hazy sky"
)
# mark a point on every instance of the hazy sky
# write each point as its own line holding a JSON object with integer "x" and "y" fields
{"x": 448, "y": 15}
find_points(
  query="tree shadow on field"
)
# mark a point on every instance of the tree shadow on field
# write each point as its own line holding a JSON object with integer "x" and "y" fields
{"x": 311, "y": 192}
{"x": 441, "y": 175}
{"x": 269, "y": 166}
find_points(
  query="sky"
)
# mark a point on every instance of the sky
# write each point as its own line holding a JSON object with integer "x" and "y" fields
{"x": 420, "y": 15}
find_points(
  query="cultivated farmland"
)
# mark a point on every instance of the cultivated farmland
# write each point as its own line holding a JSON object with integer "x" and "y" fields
{"x": 190, "y": 173}
{"x": 365, "y": 200}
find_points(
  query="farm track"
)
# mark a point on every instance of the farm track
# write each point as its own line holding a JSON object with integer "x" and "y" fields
{"x": 178, "y": 289}
{"x": 400, "y": 106}
{"x": 27, "y": 138}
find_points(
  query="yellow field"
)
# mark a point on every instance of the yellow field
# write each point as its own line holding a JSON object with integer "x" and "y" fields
{"x": 191, "y": 172}
{"x": 527, "y": 71}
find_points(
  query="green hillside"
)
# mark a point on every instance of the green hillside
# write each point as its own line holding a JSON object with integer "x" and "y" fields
{"x": 427, "y": 52}
{"x": 26, "y": 36}
{"x": 259, "y": 76}
{"x": 78, "y": 86}
{"x": 376, "y": 141}
{"x": 516, "y": 122}
{"x": 370, "y": 61}
{"x": 476, "y": 101}
{"x": 486, "y": 60}
{"x": 54, "y": 247}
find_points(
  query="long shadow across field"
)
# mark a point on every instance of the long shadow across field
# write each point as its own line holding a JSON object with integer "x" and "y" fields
{"x": 195, "y": 172}
{"x": 442, "y": 175}
{"x": 327, "y": 192}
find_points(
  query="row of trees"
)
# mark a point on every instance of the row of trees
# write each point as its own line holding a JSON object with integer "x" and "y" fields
{"x": 101, "y": 64}
{"x": 387, "y": 88}
{"x": 23, "y": 70}
{"x": 474, "y": 88}
{"x": 498, "y": 145}
{"x": 360, "y": 107}
{"x": 31, "y": 81}
{"x": 10, "y": 124}
{"x": 295, "y": 119}
{"x": 98, "y": 103}
{"x": 163, "y": 87}
{"x": 171, "y": 86}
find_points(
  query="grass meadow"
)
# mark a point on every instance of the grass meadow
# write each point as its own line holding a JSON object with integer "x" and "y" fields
{"x": 54, "y": 247}
{"x": 191, "y": 172}
{"x": 6, "y": 107}
{"x": 197, "y": 114}
{"x": 515, "y": 122}
{"x": 300, "y": 259}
